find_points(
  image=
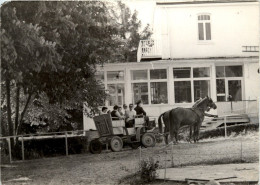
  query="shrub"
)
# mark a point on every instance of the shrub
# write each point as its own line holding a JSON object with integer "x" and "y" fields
{"x": 147, "y": 169}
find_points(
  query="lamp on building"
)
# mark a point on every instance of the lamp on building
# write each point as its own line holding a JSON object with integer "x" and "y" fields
{"x": 120, "y": 74}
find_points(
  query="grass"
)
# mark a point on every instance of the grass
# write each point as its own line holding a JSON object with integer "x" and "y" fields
{"x": 121, "y": 167}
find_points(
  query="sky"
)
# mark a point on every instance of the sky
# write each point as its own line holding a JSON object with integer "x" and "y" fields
{"x": 144, "y": 8}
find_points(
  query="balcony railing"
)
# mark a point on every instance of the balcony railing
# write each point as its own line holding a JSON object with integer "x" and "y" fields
{"x": 148, "y": 49}
{"x": 250, "y": 48}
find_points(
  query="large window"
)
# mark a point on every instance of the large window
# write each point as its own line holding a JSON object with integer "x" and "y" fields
{"x": 204, "y": 27}
{"x": 116, "y": 88}
{"x": 150, "y": 86}
{"x": 116, "y": 94}
{"x": 140, "y": 91}
{"x": 191, "y": 84}
{"x": 229, "y": 83}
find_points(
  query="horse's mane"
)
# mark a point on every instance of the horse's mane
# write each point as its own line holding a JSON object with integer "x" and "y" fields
{"x": 202, "y": 101}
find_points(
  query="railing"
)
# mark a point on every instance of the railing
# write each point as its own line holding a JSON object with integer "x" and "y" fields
{"x": 148, "y": 49}
{"x": 250, "y": 48}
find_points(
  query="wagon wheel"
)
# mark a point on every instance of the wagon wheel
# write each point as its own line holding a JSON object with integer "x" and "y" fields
{"x": 116, "y": 144}
{"x": 95, "y": 147}
{"x": 135, "y": 145}
{"x": 148, "y": 140}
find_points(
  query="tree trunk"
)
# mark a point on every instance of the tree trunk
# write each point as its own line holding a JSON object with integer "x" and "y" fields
{"x": 17, "y": 101}
{"x": 9, "y": 118}
{"x": 8, "y": 102}
{"x": 23, "y": 113}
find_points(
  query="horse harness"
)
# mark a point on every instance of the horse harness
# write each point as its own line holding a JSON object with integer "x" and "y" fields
{"x": 197, "y": 111}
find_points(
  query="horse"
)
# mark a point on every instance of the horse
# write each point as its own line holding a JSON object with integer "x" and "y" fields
{"x": 179, "y": 117}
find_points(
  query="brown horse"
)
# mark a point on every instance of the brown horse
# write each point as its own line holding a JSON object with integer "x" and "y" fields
{"x": 179, "y": 117}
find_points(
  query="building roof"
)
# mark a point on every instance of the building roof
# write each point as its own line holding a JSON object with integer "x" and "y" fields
{"x": 183, "y": 2}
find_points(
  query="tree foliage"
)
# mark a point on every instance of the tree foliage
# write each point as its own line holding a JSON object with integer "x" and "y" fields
{"x": 49, "y": 55}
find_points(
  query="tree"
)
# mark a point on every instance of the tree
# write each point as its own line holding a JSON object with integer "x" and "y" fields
{"x": 129, "y": 33}
{"x": 49, "y": 55}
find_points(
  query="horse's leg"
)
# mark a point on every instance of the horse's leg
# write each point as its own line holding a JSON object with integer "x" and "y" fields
{"x": 176, "y": 137}
{"x": 191, "y": 127}
{"x": 195, "y": 133}
{"x": 198, "y": 131}
{"x": 166, "y": 139}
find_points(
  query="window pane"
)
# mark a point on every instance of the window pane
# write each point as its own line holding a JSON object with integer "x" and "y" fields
{"x": 158, "y": 74}
{"x": 201, "y": 31}
{"x": 99, "y": 75}
{"x": 233, "y": 71}
{"x": 182, "y": 91}
{"x": 159, "y": 92}
{"x": 181, "y": 72}
{"x": 139, "y": 75}
{"x": 234, "y": 89}
{"x": 208, "y": 31}
{"x": 220, "y": 71}
{"x": 115, "y": 75}
{"x": 220, "y": 86}
{"x": 201, "y": 72}
{"x": 116, "y": 92}
{"x": 140, "y": 92}
{"x": 221, "y": 98}
{"x": 199, "y": 17}
{"x": 201, "y": 89}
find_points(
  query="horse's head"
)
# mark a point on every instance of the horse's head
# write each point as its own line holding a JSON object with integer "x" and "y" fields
{"x": 211, "y": 104}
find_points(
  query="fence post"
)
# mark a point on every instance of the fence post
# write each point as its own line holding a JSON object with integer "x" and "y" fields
{"x": 165, "y": 165}
{"x": 22, "y": 149}
{"x": 225, "y": 124}
{"x": 66, "y": 143}
{"x": 140, "y": 155}
{"x": 241, "y": 149}
{"x": 9, "y": 149}
{"x": 172, "y": 153}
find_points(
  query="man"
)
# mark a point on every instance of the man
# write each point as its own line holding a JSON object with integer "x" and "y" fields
{"x": 140, "y": 111}
{"x": 130, "y": 116}
{"x": 104, "y": 110}
{"x": 125, "y": 108}
{"x": 120, "y": 111}
{"x": 115, "y": 114}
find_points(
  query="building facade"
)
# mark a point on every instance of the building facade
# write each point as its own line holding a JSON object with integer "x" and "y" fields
{"x": 198, "y": 48}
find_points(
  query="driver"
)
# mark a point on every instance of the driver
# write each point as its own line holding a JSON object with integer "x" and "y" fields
{"x": 140, "y": 111}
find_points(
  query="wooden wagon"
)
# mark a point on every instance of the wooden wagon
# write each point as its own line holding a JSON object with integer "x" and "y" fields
{"x": 114, "y": 134}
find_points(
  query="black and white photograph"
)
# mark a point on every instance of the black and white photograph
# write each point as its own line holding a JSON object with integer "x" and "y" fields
{"x": 130, "y": 92}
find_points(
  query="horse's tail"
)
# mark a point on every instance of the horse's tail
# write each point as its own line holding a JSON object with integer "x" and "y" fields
{"x": 160, "y": 122}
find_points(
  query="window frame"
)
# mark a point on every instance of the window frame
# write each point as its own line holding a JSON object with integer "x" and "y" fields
{"x": 226, "y": 79}
{"x": 204, "y": 41}
{"x": 116, "y": 82}
{"x": 149, "y": 81}
{"x": 192, "y": 79}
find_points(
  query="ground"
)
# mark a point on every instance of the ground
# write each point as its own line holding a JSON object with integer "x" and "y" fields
{"x": 110, "y": 168}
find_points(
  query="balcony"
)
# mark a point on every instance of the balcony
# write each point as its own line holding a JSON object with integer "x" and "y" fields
{"x": 148, "y": 50}
{"x": 250, "y": 48}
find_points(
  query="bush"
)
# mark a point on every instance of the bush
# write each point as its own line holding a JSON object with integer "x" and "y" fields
{"x": 38, "y": 148}
{"x": 147, "y": 170}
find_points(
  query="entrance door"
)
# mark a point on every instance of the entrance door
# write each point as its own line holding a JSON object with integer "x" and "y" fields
{"x": 234, "y": 90}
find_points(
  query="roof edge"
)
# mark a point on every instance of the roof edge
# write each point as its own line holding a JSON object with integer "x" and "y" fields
{"x": 206, "y": 2}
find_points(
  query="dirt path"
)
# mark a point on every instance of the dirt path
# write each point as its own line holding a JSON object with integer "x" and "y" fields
{"x": 109, "y": 167}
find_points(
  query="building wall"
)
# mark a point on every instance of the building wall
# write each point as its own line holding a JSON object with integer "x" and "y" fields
{"x": 233, "y": 25}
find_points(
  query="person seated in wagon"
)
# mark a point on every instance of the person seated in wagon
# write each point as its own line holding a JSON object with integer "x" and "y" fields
{"x": 115, "y": 114}
{"x": 130, "y": 116}
{"x": 140, "y": 111}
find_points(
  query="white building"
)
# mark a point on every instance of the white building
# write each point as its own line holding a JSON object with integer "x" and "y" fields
{"x": 198, "y": 48}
